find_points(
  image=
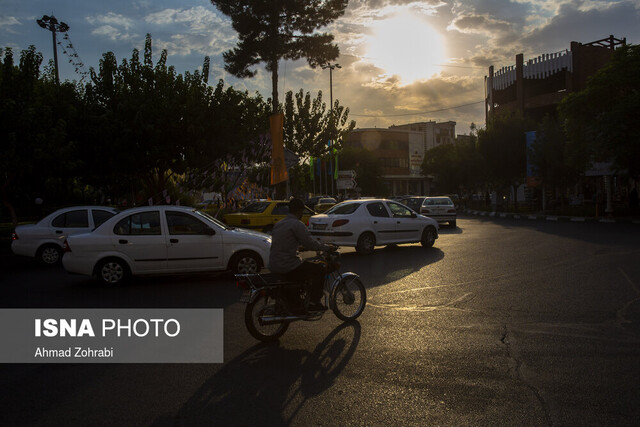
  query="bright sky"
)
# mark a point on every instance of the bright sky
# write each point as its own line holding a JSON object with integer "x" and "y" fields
{"x": 402, "y": 61}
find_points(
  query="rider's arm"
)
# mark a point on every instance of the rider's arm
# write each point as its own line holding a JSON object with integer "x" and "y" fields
{"x": 306, "y": 240}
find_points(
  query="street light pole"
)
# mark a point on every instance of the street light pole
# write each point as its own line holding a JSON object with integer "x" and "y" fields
{"x": 51, "y": 23}
{"x": 331, "y": 67}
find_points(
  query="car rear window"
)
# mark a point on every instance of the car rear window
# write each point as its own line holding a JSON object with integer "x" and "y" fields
{"x": 378, "y": 210}
{"x": 438, "y": 201}
{"x": 72, "y": 219}
{"x": 257, "y": 207}
{"x": 344, "y": 208}
{"x": 143, "y": 223}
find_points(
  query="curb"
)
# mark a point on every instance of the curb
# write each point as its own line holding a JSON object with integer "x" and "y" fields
{"x": 554, "y": 218}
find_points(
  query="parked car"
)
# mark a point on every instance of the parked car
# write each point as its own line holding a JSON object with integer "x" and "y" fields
{"x": 313, "y": 201}
{"x": 164, "y": 240}
{"x": 439, "y": 208}
{"x": 324, "y": 204}
{"x": 366, "y": 224}
{"x": 45, "y": 239}
{"x": 414, "y": 202}
{"x": 263, "y": 215}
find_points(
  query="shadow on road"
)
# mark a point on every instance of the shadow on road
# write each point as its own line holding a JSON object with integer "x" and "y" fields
{"x": 268, "y": 384}
{"x": 391, "y": 263}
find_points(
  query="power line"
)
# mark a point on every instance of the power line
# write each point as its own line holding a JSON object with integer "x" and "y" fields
{"x": 418, "y": 113}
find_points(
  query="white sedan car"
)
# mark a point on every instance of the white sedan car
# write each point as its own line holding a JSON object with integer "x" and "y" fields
{"x": 366, "y": 224}
{"x": 440, "y": 208}
{"x": 45, "y": 239}
{"x": 164, "y": 240}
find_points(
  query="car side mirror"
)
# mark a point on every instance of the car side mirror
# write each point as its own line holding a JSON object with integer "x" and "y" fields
{"x": 413, "y": 215}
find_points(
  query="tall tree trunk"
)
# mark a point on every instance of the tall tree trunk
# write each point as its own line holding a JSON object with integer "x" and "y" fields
{"x": 274, "y": 86}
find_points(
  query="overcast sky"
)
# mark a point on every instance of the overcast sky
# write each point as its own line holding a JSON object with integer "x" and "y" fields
{"x": 402, "y": 61}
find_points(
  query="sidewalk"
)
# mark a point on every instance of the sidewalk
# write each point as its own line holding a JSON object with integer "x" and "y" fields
{"x": 544, "y": 217}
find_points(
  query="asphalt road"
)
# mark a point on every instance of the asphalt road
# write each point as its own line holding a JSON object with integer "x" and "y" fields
{"x": 503, "y": 322}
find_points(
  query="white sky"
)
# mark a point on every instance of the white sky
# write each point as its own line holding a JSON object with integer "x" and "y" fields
{"x": 402, "y": 61}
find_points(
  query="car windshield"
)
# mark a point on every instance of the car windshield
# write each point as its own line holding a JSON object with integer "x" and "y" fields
{"x": 214, "y": 220}
{"x": 257, "y": 207}
{"x": 344, "y": 208}
{"x": 438, "y": 201}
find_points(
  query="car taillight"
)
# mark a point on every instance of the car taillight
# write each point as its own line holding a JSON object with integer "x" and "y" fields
{"x": 339, "y": 222}
{"x": 245, "y": 221}
{"x": 241, "y": 284}
{"x": 14, "y": 236}
{"x": 66, "y": 246}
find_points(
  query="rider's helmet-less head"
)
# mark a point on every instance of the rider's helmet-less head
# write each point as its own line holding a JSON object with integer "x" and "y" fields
{"x": 296, "y": 207}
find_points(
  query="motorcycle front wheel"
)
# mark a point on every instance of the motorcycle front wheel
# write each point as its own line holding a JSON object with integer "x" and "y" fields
{"x": 258, "y": 308}
{"x": 348, "y": 298}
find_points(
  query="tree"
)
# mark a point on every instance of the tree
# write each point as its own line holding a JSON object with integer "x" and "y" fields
{"x": 269, "y": 31}
{"x": 309, "y": 126}
{"x": 37, "y": 121}
{"x": 367, "y": 167}
{"x": 503, "y": 146}
{"x": 600, "y": 120}
{"x": 154, "y": 125}
{"x": 550, "y": 157}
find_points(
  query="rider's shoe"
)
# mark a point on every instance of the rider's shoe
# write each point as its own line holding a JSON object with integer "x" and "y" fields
{"x": 317, "y": 306}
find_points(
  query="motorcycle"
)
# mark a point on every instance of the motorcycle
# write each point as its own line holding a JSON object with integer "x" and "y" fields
{"x": 273, "y": 302}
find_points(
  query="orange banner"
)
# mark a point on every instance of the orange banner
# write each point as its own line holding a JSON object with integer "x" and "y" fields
{"x": 278, "y": 168}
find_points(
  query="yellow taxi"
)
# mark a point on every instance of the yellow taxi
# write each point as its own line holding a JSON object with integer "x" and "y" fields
{"x": 263, "y": 215}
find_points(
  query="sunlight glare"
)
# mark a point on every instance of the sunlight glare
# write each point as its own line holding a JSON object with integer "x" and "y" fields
{"x": 406, "y": 46}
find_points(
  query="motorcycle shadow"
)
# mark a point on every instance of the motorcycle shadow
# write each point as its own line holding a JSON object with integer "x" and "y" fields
{"x": 269, "y": 384}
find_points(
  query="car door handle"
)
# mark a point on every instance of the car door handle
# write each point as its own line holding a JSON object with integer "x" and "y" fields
{"x": 397, "y": 222}
{"x": 375, "y": 222}
{"x": 123, "y": 241}
{"x": 58, "y": 231}
{"x": 174, "y": 240}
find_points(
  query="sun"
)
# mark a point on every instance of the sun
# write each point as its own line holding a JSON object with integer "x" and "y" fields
{"x": 405, "y": 45}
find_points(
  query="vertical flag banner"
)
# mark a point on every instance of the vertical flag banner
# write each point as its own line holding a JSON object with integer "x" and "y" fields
{"x": 278, "y": 167}
{"x": 335, "y": 170}
{"x": 311, "y": 174}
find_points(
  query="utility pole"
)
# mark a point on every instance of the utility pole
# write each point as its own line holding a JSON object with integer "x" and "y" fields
{"x": 331, "y": 67}
{"x": 51, "y": 23}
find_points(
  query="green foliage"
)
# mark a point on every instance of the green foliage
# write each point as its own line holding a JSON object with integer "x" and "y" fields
{"x": 550, "y": 155}
{"x": 367, "y": 167}
{"x": 37, "y": 132}
{"x": 502, "y": 144}
{"x": 285, "y": 29}
{"x": 308, "y": 125}
{"x": 601, "y": 120}
{"x": 457, "y": 168}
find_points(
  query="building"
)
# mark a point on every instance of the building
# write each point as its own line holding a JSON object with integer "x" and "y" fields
{"x": 537, "y": 86}
{"x": 401, "y": 150}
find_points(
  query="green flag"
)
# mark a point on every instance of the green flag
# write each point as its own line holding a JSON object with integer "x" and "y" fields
{"x": 311, "y": 174}
{"x": 335, "y": 170}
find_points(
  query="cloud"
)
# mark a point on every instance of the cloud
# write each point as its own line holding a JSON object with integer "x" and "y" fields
{"x": 7, "y": 21}
{"x": 111, "y": 19}
{"x": 113, "y": 33}
{"x": 481, "y": 24}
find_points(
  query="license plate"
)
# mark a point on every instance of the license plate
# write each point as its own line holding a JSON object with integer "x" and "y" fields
{"x": 246, "y": 296}
{"x": 319, "y": 226}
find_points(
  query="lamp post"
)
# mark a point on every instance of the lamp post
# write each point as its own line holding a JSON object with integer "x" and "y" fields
{"x": 331, "y": 67}
{"x": 51, "y": 23}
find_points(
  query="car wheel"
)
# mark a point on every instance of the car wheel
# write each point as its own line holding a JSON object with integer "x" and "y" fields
{"x": 366, "y": 243}
{"x": 452, "y": 223}
{"x": 112, "y": 271}
{"x": 246, "y": 263}
{"x": 428, "y": 237}
{"x": 49, "y": 255}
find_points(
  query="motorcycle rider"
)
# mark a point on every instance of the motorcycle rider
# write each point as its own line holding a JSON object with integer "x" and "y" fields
{"x": 287, "y": 235}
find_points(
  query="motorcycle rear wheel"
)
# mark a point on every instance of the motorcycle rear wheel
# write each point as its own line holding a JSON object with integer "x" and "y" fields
{"x": 348, "y": 299}
{"x": 255, "y": 309}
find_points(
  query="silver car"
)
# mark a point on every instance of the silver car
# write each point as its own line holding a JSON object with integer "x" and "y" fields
{"x": 440, "y": 208}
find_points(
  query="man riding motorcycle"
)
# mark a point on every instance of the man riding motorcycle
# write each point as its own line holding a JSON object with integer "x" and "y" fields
{"x": 287, "y": 235}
